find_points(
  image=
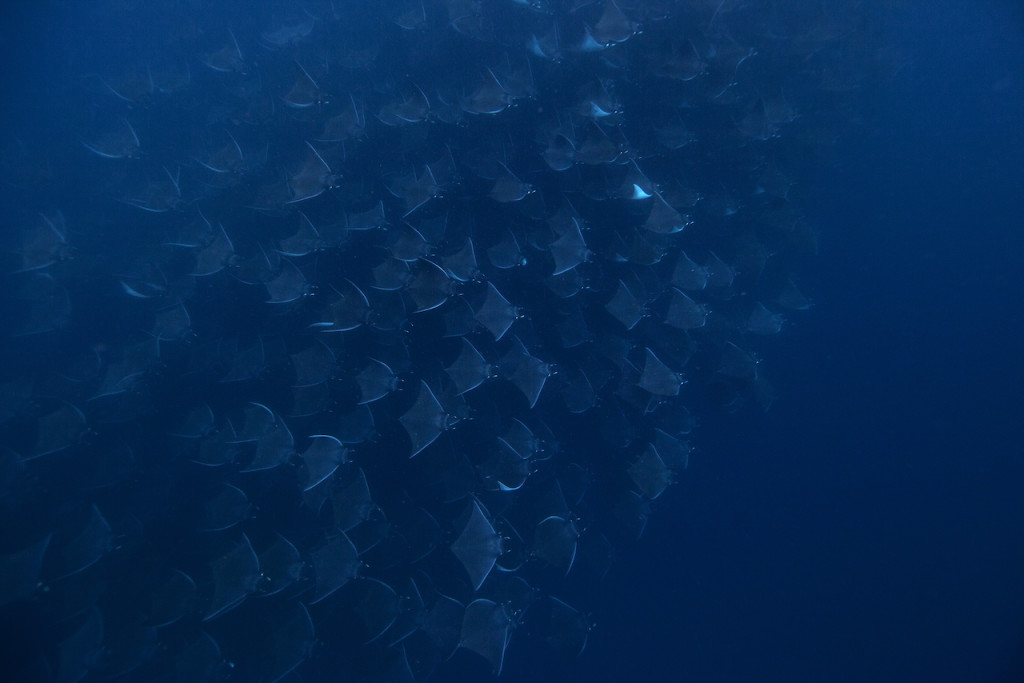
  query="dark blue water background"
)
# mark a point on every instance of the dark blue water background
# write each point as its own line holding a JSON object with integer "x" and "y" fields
{"x": 870, "y": 526}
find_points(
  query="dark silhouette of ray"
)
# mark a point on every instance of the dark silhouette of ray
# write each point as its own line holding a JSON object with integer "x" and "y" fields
{"x": 174, "y": 597}
{"x": 391, "y": 274}
{"x": 290, "y": 34}
{"x": 280, "y": 566}
{"x": 217, "y": 448}
{"x": 370, "y": 607}
{"x": 351, "y": 500}
{"x": 503, "y": 470}
{"x": 578, "y": 393}
{"x": 216, "y": 256}
{"x": 310, "y": 400}
{"x": 44, "y": 244}
{"x": 506, "y": 254}
{"x": 369, "y": 219}
{"x": 355, "y": 426}
{"x": 274, "y": 443}
{"x": 415, "y": 191}
{"x": 560, "y": 154}
{"x": 634, "y": 185}
{"x": 272, "y": 449}
{"x": 135, "y": 87}
{"x": 683, "y": 312}
{"x": 257, "y": 420}
{"x": 19, "y": 571}
{"x": 663, "y": 219}
{"x": 469, "y": 370}
{"x": 227, "y": 59}
{"x": 388, "y": 312}
{"x": 791, "y": 298}
{"x": 477, "y": 547}
{"x": 625, "y": 307}
{"x": 159, "y": 194}
{"x": 172, "y": 323}
{"x": 462, "y": 264}
{"x": 312, "y": 179}
{"x": 565, "y": 628}
{"x": 321, "y": 459}
{"x": 247, "y": 362}
{"x": 411, "y": 615}
{"x": 631, "y": 512}
{"x": 225, "y": 162}
{"x": 672, "y": 451}
{"x": 488, "y": 98}
{"x": 573, "y": 331}
{"x": 335, "y": 564}
{"x": 649, "y": 473}
{"x": 762, "y": 321}
{"x": 119, "y": 141}
{"x": 350, "y": 123}
{"x": 348, "y": 311}
{"x": 313, "y": 364}
{"x": 737, "y": 363}
{"x": 613, "y": 26}
{"x": 658, "y": 378}
{"x": 508, "y": 188}
{"x": 430, "y": 287}
{"x": 79, "y": 652}
{"x": 526, "y": 372}
{"x": 305, "y": 240}
{"x": 521, "y": 440}
{"x": 674, "y": 135}
{"x": 236, "y": 574}
{"x": 570, "y": 249}
{"x": 442, "y": 625}
{"x": 720, "y": 273}
{"x": 292, "y": 636}
{"x": 289, "y": 285}
{"x": 304, "y": 92}
{"x": 375, "y": 381}
{"x": 682, "y": 62}
{"x": 58, "y": 430}
{"x": 495, "y": 313}
{"x": 425, "y": 420}
{"x": 486, "y": 630}
{"x": 228, "y": 507}
{"x": 406, "y": 243}
{"x": 554, "y": 542}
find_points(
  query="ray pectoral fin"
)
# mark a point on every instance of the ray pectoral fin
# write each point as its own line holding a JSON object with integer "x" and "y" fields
{"x": 424, "y": 421}
{"x": 98, "y": 152}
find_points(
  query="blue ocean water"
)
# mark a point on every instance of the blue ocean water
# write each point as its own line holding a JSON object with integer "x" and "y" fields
{"x": 867, "y": 526}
